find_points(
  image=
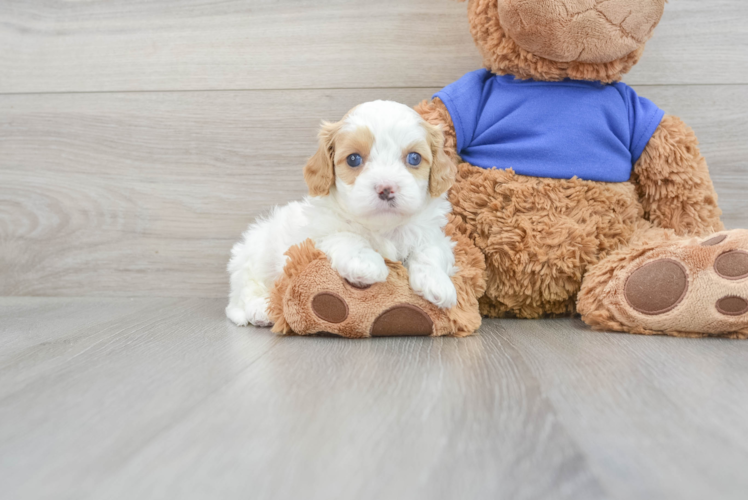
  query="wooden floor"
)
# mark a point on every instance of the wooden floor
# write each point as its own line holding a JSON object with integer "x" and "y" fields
{"x": 164, "y": 398}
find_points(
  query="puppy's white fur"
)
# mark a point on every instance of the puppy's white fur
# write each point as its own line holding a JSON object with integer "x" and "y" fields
{"x": 350, "y": 222}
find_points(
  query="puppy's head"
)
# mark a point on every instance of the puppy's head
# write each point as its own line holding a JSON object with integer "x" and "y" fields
{"x": 380, "y": 160}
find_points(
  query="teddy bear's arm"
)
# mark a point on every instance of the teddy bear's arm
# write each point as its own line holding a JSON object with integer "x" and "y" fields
{"x": 673, "y": 183}
{"x": 435, "y": 112}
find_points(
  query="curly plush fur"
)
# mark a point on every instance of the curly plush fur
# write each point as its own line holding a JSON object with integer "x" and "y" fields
{"x": 539, "y": 236}
{"x": 672, "y": 181}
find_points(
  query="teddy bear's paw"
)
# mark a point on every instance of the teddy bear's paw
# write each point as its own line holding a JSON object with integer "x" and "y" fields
{"x": 697, "y": 286}
{"x": 398, "y": 320}
{"x": 319, "y": 300}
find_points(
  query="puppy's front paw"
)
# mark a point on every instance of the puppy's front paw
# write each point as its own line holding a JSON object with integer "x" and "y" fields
{"x": 433, "y": 285}
{"x": 365, "y": 268}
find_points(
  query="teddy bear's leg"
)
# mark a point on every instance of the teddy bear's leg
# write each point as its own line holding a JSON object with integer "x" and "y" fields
{"x": 666, "y": 284}
{"x": 312, "y": 298}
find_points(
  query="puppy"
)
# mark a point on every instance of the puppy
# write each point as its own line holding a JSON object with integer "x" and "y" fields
{"x": 377, "y": 190}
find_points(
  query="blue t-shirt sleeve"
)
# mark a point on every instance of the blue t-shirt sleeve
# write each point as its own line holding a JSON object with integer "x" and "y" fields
{"x": 644, "y": 118}
{"x": 463, "y": 100}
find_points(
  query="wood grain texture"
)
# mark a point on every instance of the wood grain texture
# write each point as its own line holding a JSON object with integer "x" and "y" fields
{"x": 51, "y": 46}
{"x": 133, "y": 193}
{"x": 657, "y": 417}
{"x": 144, "y": 193}
{"x": 696, "y": 42}
{"x": 261, "y": 44}
{"x": 163, "y": 398}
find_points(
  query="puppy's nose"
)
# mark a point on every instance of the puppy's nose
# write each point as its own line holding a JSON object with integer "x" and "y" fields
{"x": 386, "y": 193}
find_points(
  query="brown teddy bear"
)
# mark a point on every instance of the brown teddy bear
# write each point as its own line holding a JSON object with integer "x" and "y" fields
{"x": 582, "y": 196}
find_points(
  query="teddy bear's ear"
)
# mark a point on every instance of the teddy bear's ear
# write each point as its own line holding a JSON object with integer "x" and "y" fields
{"x": 319, "y": 172}
{"x": 443, "y": 169}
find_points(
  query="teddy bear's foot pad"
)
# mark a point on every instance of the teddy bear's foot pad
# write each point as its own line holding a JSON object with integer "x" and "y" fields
{"x": 732, "y": 306}
{"x": 657, "y": 287}
{"x": 330, "y": 307}
{"x": 398, "y": 320}
{"x": 692, "y": 286}
{"x": 402, "y": 320}
{"x": 732, "y": 265}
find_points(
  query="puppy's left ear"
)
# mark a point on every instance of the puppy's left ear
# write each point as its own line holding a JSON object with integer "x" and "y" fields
{"x": 319, "y": 172}
{"x": 443, "y": 169}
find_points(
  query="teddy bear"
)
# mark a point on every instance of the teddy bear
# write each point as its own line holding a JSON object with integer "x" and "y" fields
{"x": 580, "y": 196}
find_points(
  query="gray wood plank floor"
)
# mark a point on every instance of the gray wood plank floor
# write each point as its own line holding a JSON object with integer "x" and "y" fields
{"x": 163, "y": 398}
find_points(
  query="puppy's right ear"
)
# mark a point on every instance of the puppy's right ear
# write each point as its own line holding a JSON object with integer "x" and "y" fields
{"x": 443, "y": 169}
{"x": 319, "y": 172}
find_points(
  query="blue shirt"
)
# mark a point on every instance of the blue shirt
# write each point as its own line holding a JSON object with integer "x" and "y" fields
{"x": 561, "y": 129}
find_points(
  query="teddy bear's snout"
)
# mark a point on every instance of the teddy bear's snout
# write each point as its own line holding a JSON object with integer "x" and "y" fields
{"x": 580, "y": 30}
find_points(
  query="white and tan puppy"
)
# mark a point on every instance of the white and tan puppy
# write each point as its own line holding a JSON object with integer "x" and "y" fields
{"x": 377, "y": 186}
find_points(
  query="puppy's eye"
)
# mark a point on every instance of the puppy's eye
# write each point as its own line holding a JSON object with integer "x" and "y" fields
{"x": 354, "y": 160}
{"x": 414, "y": 159}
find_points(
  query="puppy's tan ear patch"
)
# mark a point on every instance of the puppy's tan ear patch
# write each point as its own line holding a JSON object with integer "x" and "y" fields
{"x": 443, "y": 169}
{"x": 319, "y": 172}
